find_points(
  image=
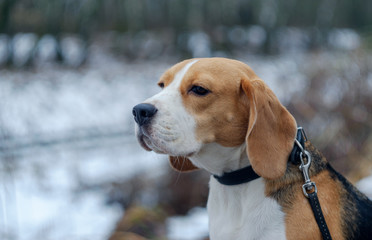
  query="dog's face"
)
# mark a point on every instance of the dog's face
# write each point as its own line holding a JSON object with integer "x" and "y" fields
{"x": 212, "y": 102}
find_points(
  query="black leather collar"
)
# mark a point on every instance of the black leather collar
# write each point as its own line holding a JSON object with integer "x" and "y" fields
{"x": 247, "y": 174}
{"x": 237, "y": 177}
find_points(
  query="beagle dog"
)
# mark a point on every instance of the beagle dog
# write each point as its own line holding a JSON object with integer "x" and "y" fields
{"x": 218, "y": 115}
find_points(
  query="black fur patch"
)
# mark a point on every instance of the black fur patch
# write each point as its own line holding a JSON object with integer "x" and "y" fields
{"x": 359, "y": 223}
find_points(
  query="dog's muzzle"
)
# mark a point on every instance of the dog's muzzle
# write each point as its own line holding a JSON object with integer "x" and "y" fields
{"x": 143, "y": 113}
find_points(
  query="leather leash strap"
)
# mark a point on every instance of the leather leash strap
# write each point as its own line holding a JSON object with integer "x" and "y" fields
{"x": 309, "y": 188}
{"x": 318, "y": 214}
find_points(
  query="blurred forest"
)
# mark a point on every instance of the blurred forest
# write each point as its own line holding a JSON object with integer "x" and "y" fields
{"x": 148, "y": 29}
{"x": 71, "y": 71}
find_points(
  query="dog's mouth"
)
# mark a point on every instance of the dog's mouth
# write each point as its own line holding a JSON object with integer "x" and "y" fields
{"x": 149, "y": 142}
{"x": 162, "y": 143}
{"x": 141, "y": 140}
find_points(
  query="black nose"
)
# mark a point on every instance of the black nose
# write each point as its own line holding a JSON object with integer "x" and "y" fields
{"x": 143, "y": 113}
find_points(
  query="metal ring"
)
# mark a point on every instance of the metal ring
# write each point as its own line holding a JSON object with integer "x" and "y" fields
{"x": 309, "y": 186}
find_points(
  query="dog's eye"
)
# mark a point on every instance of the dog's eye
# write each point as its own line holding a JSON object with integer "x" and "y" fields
{"x": 199, "y": 90}
{"x": 161, "y": 85}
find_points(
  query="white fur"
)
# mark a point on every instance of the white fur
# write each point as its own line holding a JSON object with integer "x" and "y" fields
{"x": 172, "y": 130}
{"x": 242, "y": 212}
{"x": 217, "y": 159}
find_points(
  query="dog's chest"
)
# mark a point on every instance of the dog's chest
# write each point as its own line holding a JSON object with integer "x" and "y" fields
{"x": 243, "y": 212}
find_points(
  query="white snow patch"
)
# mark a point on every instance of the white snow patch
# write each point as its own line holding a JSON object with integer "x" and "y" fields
{"x": 194, "y": 226}
{"x": 365, "y": 186}
{"x": 345, "y": 39}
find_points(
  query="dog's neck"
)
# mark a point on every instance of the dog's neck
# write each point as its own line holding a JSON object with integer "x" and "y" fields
{"x": 243, "y": 212}
{"x": 245, "y": 206}
{"x": 218, "y": 159}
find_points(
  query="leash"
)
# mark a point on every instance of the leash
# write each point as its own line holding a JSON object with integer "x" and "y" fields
{"x": 298, "y": 156}
{"x": 309, "y": 188}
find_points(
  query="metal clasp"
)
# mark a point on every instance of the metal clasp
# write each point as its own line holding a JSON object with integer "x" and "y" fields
{"x": 304, "y": 167}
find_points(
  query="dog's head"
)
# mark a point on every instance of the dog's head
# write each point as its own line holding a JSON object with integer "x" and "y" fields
{"x": 210, "y": 107}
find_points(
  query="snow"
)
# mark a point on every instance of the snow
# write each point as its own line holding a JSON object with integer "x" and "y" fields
{"x": 194, "y": 226}
{"x": 40, "y": 190}
{"x": 344, "y": 39}
{"x": 48, "y": 205}
{"x": 365, "y": 186}
{"x": 60, "y": 219}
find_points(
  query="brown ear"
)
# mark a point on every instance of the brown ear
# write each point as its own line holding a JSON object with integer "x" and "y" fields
{"x": 271, "y": 130}
{"x": 181, "y": 164}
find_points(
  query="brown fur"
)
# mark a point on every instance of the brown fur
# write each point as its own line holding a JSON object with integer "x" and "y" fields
{"x": 216, "y": 113}
{"x": 181, "y": 164}
{"x": 271, "y": 131}
{"x": 168, "y": 76}
{"x": 300, "y": 215}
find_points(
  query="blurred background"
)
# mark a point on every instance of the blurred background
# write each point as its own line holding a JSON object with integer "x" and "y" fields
{"x": 71, "y": 71}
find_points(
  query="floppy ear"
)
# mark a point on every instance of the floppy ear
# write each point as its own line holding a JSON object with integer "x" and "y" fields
{"x": 181, "y": 164}
{"x": 271, "y": 130}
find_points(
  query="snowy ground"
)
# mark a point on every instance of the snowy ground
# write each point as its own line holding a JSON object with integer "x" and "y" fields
{"x": 61, "y": 128}
{"x": 365, "y": 185}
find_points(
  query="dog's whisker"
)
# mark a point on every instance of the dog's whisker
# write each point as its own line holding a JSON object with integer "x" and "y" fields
{"x": 179, "y": 172}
